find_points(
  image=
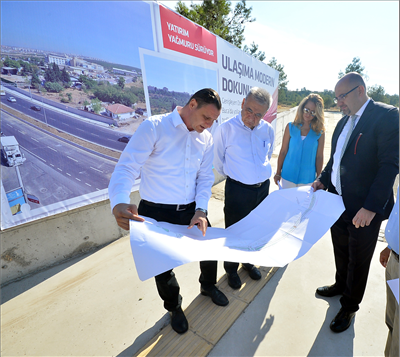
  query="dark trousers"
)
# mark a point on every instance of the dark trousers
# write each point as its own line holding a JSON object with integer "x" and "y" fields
{"x": 353, "y": 248}
{"x": 240, "y": 200}
{"x": 167, "y": 285}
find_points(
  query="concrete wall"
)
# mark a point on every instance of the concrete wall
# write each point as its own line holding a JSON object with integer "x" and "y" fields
{"x": 34, "y": 246}
{"x": 280, "y": 124}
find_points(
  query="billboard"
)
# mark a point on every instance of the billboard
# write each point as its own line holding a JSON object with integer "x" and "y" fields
{"x": 101, "y": 68}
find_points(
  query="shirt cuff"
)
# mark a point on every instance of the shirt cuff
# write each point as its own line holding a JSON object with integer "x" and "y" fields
{"x": 202, "y": 204}
{"x": 119, "y": 198}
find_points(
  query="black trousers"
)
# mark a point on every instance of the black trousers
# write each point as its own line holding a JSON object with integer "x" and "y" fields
{"x": 167, "y": 285}
{"x": 240, "y": 200}
{"x": 353, "y": 248}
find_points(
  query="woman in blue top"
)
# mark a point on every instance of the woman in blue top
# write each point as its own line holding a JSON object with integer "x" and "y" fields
{"x": 302, "y": 153}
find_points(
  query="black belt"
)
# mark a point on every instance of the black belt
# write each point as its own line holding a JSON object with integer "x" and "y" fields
{"x": 395, "y": 255}
{"x": 256, "y": 185}
{"x": 171, "y": 207}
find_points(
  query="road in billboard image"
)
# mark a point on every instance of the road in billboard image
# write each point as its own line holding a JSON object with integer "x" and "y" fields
{"x": 71, "y": 97}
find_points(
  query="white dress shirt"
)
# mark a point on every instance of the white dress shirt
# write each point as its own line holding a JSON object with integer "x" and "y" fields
{"x": 175, "y": 164}
{"x": 392, "y": 227}
{"x": 244, "y": 154}
{"x": 340, "y": 142}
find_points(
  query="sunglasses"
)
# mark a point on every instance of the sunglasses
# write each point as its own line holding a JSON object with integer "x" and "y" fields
{"x": 308, "y": 111}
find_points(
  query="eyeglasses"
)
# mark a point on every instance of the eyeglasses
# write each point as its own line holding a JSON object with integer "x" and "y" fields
{"x": 343, "y": 96}
{"x": 308, "y": 111}
{"x": 250, "y": 111}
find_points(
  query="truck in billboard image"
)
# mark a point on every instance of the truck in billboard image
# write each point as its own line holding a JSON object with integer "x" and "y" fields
{"x": 10, "y": 151}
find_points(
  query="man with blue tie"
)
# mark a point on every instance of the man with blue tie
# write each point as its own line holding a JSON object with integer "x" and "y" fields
{"x": 362, "y": 168}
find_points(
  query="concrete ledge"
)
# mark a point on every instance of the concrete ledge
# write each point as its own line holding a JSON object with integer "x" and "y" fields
{"x": 37, "y": 245}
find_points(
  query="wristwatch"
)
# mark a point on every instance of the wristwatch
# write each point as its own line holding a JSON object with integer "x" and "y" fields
{"x": 202, "y": 210}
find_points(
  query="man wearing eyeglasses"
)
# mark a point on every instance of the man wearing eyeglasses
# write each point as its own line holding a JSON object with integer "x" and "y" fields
{"x": 362, "y": 168}
{"x": 243, "y": 147}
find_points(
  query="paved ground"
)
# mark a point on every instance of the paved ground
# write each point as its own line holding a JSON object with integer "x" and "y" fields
{"x": 96, "y": 305}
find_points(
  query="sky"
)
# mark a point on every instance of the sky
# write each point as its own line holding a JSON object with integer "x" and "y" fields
{"x": 98, "y": 29}
{"x": 315, "y": 40}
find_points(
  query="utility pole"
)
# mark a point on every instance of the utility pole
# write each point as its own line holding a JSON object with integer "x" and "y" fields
{"x": 44, "y": 109}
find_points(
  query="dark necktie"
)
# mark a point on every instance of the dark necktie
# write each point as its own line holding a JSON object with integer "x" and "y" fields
{"x": 346, "y": 140}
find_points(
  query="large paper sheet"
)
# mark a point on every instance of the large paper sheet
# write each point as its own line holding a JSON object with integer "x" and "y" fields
{"x": 281, "y": 229}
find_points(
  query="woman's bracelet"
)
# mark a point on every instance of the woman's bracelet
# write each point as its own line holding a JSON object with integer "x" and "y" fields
{"x": 278, "y": 175}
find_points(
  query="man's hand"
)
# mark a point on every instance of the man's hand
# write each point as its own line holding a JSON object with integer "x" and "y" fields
{"x": 363, "y": 218}
{"x": 124, "y": 212}
{"x": 199, "y": 219}
{"x": 384, "y": 257}
{"x": 317, "y": 185}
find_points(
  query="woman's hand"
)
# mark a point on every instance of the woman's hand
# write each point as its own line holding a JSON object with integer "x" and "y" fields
{"x": 277, "y": 178}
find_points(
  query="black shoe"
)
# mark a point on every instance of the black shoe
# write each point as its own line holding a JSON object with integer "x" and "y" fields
{"x": 254, "y": 272}
{"x": 342, "y": 321}
{"x": 216, "y": 295}
{"x": 329, "y": 291}
{"x": 234, "y": 280}
{"x": 178, "y": 321}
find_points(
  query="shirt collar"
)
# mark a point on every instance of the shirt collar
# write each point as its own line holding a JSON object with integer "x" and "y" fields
{"x": 361, "y": 110}
{"x": 176, "y": 118}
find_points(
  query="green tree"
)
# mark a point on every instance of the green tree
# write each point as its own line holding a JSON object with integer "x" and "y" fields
{"x": 282, "y": 82}
{"x": 69, "y": 95}
{"x": 35, "y": 81}
{"x": 57, "y": 73}
{"x": 253, "y": 51}
{"x": 26, "y": 67}
{"x": 88, "y": 82}
{"x": 218, "y": 17}
{"x": 394, "y": 100}
{"x": 109, "y": 93}
{"x": 11, "y": 63}
{"x": 377, "y": 93}
{"x": 328, "y": 101}
{"x": 96, "y": 105}
{"x": 54, "y": 87}
{"x": 65, "y": 77}
{"x": 52, "y": 73}
{"x": 121, "y": 82}
{"x": 354, "y": 66}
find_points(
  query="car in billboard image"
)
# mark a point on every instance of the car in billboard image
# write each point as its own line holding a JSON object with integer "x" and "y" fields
{"x": 36, "y": 108}
{"x": 124, "y": 139}
{"x": 11, "y": 99}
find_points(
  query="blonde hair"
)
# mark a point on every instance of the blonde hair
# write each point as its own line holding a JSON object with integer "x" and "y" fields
{"x": 318, "y": 122}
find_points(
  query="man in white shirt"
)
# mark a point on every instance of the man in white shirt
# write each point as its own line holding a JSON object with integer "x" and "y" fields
{"x": 243, "y": 149}
{"x": 389, "y": 258}
{"x": 173, "y": 155}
